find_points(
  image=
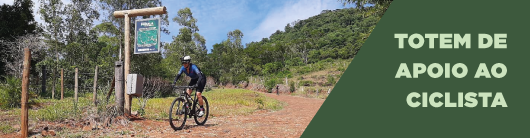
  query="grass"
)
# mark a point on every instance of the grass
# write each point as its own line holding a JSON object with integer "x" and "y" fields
{"x": 322, "y": 76}
{"x": 311, "y": 93}
{"x": 54, "y": 110}
{"x": 240, "y": 102}
{"x": 223, "y": 102}
{"x": 6, "y": 128}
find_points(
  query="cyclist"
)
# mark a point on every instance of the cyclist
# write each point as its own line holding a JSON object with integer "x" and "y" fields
{"x": 277, "y": 90}
{"x": 198, "y": 79}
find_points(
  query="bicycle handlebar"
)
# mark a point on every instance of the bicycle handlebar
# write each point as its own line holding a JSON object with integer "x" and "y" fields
{"x": 183, "y": 87}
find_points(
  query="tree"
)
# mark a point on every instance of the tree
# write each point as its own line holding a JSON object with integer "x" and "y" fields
{"x": 79, "y": 18}
{"x": 379, "y": 8}
{"x": 14, "y": 66}
{"x": 187, "y": 42}
{"x": 52, "y": 13}
{"x": 16, "y": 20}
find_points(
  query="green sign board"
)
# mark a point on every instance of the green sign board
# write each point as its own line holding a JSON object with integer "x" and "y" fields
{"x": 147, "y": 34}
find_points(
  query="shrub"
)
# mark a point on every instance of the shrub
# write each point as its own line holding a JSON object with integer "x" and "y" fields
{"x": 269, "y": 84}
{"x": 331, "y": 80}
{"x": 291, "y": 86}
{"x": 306, "y": 83}
{"x": 11, "y": 92}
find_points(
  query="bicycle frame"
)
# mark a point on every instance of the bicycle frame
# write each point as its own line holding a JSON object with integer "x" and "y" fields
{"x": 186, "y": 93}
{"x": 186, "y": 98}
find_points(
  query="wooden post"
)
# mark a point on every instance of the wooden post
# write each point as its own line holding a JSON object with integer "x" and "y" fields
{"x": 76, "y": 84}
{"x": 95, "y": 85}
{"x": 24, "y": 100}
{"x": 118, "y": 72}
{"x": 111, "y": 88}
{"x": 127, "y": 106}
{"x": 43, "y": 87}
{"x": 127, "y": 14}
{"x": 140, "y": 12}
{"x": 62, "y": 84}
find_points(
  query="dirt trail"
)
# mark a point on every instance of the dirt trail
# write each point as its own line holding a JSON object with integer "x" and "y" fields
{"x": 291, "y": 121}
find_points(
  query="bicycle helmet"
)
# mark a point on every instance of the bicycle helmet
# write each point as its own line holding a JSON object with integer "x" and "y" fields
{"x": 185, "y": 59}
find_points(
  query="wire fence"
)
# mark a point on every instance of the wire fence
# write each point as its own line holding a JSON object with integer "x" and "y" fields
{"x": 42, "y": 83}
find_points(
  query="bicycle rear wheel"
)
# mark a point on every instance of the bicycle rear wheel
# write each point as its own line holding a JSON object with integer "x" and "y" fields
{"x": 201, "y": 120}
{"x": 177, "y": 114}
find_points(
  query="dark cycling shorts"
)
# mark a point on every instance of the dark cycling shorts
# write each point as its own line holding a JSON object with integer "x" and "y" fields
{"x": 201, "y": 84}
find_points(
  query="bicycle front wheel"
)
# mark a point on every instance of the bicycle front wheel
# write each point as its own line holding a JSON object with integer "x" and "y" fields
{"x": 177, "y": 114}
{"x": 201, "y": 120}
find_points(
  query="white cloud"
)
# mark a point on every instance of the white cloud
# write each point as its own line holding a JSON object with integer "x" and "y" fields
{"x": 291, "y": 11}
{"x": 8, "y": 2}
{"x": 215, "y": 18}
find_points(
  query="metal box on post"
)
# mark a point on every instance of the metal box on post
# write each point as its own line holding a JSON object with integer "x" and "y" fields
{"x": 135, "y": 84}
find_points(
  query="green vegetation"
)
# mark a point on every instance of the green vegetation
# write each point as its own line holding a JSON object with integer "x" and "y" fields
{"x": 321, "y": 39}
{"x": 223, "y": 102}
{"x": 270, "y": 84}
{"x": 6, "y": 128}
{"x": 10, "y": 91}
{"x": 306, "y": 83}
{"x": 239, "y": 102}
{"x": 292, "y": 87}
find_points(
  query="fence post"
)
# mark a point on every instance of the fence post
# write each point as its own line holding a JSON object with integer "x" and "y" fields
{"x": 24, "y": 100}
{"x": 76, "y": 83}
{"x": 95, "y": 85}
{"x": 111, "y": 88}
{"x": 62, "y": 83}
{"x": 44, "y": 80}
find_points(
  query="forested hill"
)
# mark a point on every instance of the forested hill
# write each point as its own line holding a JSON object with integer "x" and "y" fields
{"x": 333, "y": 34}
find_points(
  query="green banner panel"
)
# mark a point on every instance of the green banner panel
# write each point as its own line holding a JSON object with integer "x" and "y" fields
{"x": 147, "y": 35}
{"x": 436, "y": 69}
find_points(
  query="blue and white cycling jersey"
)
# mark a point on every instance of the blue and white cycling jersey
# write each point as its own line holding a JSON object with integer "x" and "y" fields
{"x": 194, "y": 71}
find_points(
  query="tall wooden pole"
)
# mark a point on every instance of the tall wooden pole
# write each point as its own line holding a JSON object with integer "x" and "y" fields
{"x": 95, "y": 85}
{"x": 76, "y": 84}
{"x": 24, "y": 100}
{"x": 62, "y": 84}
{"x": 127, "y": 107}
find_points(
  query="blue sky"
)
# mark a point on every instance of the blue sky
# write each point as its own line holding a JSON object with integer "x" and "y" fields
{"x": 256, "y": 19}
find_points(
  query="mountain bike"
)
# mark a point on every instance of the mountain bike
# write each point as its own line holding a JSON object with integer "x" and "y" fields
{"x": 184, "y": 106}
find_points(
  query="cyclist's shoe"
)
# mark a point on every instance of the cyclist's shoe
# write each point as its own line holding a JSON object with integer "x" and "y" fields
{"x": 201, "y": 113}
